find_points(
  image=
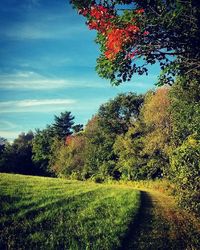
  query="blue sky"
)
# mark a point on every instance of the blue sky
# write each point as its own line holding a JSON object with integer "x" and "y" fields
{"x": 47, "y": 66}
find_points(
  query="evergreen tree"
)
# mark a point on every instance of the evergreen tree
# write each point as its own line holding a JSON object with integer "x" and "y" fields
{"x": 62, "y": 125}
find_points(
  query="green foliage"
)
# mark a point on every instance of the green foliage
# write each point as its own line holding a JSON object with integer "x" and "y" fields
{"x": 17, "y": 157}
{"x": 98, "y": 149}
{"x": 157, "y": 119}
{"x": 156, "y": 167}
{"x": 128, "y": 149}
{"x": 185, "y": 173}
{"x": 157, "y": 122}
{"x": 108, "y": 170}
{"x": 113, "y": 118}
{"x": 42, "y": 148}
{"x": 48, "y": 143}
{"x": 173, "y": 39}
{"x": 50, "y": 213}
{"x": 68, "y": 159}
{"x": 185, "y": 110}
{"x": 3, "y": 143}
{"x": 118, "y": 114}
{"x": 62, "y": 125}
{"x": 77, "y": 128}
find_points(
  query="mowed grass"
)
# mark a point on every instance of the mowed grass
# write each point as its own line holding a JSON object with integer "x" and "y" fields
{"x": 50, "y": 213}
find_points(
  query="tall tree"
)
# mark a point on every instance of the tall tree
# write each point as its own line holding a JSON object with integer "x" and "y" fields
{"x": 116, "y": 115}
{"x": 157, "y": 119}
{"x": 131, "y": 160}
{"x": 62, "y": 125}
{"x": 158, "y": 129}
{"x": 98, "y": 150}
{"x": 112, "y": 119}
{"x": 42, "y": 149}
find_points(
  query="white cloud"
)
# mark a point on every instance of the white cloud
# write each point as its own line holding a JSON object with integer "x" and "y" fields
{"x": 31, "y": 103}
{"x": 40, "y": 105}
{"x": 31, "y": 80}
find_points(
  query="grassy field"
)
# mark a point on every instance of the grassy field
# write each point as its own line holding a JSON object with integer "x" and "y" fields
{"x": 48, "y": 213}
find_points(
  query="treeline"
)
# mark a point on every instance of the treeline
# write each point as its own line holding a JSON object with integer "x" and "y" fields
{"x": 31, "y": 153}
{"x": 132, "y": 137}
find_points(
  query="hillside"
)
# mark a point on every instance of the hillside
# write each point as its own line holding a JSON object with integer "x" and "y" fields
{"x": 51, "y": 213}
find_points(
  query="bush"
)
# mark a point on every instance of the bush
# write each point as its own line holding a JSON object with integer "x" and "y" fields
{"x": 185, "y": 171}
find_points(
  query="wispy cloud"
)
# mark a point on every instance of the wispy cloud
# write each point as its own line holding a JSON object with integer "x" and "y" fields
{"x": 31, "y": 80}
{"x": 28, "y": 80}
{"x": 45, "y": 105}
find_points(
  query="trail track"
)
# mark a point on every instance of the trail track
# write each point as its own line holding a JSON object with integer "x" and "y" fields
{"x": 162, "y": 225}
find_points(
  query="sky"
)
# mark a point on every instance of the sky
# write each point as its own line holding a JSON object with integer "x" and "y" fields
{"x": 47, "y": 66}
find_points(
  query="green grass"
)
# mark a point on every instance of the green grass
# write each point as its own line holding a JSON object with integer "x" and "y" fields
{"x": 49, "y": 213}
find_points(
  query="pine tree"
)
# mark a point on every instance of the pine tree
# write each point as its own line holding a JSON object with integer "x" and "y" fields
{"x": 63, "y": 125}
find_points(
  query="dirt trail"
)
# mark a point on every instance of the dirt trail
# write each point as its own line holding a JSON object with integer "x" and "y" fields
{"x": 161, "y": 225}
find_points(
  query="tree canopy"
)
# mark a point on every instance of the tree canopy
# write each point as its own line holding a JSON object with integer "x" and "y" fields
{"x": 117, "y": 114}
{"x": 17, "y": 157}
{"x": 133, "y": 34}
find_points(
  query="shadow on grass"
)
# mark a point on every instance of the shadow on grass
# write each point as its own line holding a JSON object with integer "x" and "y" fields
{"x": 16, "y": 232}
{"x": 141, "y": 224}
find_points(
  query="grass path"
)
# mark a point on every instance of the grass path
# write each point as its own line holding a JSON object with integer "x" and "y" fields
{"x": 161, "y": 225}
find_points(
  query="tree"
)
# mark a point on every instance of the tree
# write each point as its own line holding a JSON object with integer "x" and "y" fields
{"x": 158, "y": 129}
{"x": 131, "y": 160}
{"x": 42, "y": 149}
{"x": 118, "y": 114}
{"x": 142, "y": 152}
{"x": 185, "y": 173}
{"x": 77, "y": 128}
{"x": 98, "y": 147}
{"x": 185, "y": 110}
{"x": 68, "y": 159}
{"x": 3, "y": 143}
{"x": 62, "y": 125}
{"x": 17, "y": 157}
{"x": 51, "y": 139}
{"x": 113, "y": 119}
{"x": 157, "y": 119}
{"x": 152, "y": 31}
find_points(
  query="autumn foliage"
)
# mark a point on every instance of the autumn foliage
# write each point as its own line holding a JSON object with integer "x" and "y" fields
{"x": 116, "y": 35}
{"x": 163, "y": 32}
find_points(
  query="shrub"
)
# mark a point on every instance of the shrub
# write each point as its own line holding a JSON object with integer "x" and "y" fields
{"x": 185, "y": 171}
